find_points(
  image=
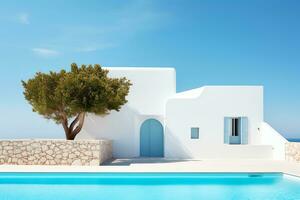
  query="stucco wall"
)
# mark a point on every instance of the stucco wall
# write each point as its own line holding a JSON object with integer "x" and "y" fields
{"x": 153, "y": 95}
{"x": 270, "y": 136}
{"x": 54, "y": 152}
{"x": 292, "y": 151}
{"x": 206, "y": 108}
{"x": 147, "y": 98}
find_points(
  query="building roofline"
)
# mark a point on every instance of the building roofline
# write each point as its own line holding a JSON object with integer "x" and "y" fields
{"x": 141, "y": 68}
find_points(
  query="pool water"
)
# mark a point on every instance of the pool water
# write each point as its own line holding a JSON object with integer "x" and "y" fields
{"x": 147, "y": 186}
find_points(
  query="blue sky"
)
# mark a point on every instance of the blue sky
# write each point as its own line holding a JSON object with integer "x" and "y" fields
{"x": 208, "y": 42}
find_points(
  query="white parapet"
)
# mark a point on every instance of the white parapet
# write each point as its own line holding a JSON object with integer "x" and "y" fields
{"x": 270, "y": 136}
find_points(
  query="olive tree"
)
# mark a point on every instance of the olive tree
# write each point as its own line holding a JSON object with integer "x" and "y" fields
{"x": 67, "y": 96}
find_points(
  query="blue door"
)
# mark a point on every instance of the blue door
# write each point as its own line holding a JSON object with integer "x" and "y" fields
{"x": 151, "y": 139}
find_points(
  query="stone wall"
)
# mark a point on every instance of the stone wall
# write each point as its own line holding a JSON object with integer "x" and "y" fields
{"x": 292, "y": 151}
{"x": 55, "y": 152}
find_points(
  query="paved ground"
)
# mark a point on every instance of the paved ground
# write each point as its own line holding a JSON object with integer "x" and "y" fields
{"x": 165, "y": 165}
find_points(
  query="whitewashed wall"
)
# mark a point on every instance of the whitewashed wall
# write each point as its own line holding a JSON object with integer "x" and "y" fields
{"x": 270, "y": 136}
{"x": 206, "y": 108}
{"x": 147, "y": 98}
{"x": 153, "y": 95}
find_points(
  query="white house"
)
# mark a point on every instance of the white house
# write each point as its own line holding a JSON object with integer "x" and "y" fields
{"x": 210, "y": 122}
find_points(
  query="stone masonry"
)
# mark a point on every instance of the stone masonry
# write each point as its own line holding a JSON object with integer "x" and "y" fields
{"x": 292, "y": 151}
{"x": 54, "y": 152}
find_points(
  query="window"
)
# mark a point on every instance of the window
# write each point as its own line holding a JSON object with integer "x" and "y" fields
{"x": 194, "y": 133}
{"x": 235, "y": 127}
{"x": 235, "y": 130}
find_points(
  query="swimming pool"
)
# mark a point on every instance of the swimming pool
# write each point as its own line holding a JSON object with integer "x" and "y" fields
{"x": 147, "y": 186}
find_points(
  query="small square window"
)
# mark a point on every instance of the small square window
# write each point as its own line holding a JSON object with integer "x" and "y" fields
{"x": 194, "y": 133}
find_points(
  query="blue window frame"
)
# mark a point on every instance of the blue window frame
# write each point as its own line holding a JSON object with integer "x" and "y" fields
{"x": 194, "y": 133}
{"x": 236, "y": 130}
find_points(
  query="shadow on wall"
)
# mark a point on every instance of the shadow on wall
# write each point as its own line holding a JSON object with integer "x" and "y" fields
{"x": 174, "y": 148}
{"x": 142, "y": 160}
{"x": 116, "y": 126}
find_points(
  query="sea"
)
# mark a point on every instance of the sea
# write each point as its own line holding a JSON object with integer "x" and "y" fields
{"x": 293, "y": 139}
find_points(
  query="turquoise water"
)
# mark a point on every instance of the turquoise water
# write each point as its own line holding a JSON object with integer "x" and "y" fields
{"x": 147, "y": 186}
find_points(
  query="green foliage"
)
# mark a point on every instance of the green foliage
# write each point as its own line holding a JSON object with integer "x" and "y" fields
{"x": 85, "y": 89}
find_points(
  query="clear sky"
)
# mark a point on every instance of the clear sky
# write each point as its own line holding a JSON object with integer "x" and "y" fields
{"x": 209, "y": 42}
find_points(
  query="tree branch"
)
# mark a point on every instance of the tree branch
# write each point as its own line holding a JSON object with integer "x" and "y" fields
{"x": 74, "y": 122}
{"x": 64, "y": 123}
{"x": 79, "y": 126}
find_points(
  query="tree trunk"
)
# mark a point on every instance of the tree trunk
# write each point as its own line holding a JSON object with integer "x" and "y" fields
{"x": 75, "y": 127}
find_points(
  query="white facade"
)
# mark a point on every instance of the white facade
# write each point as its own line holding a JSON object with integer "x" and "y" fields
{"x": 150, "y": 90}
{"x": 153, "y": 96}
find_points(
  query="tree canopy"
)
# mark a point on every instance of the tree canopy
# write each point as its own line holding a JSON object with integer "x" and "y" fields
{"x": 64, "y": 95}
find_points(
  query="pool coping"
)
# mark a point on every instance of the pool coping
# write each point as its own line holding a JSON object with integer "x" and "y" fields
{"x": 171, "y": 166}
